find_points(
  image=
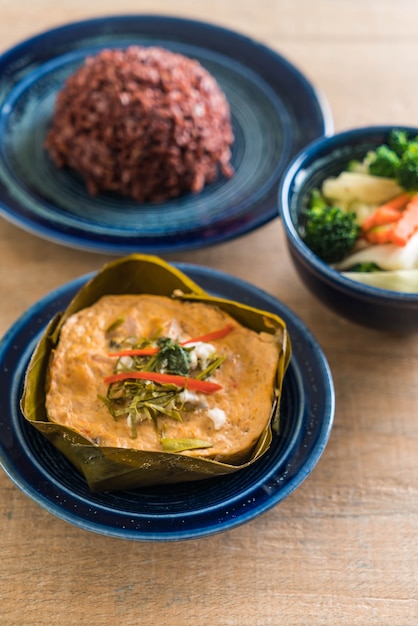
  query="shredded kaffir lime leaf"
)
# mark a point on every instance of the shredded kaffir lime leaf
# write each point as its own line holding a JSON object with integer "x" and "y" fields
{"x": 142, "y": 400}
{"x": 213, "y": 365}
{"x": 118, "y": 322}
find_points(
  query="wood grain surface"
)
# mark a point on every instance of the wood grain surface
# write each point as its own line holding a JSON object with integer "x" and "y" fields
{"x": 342, "y": 549}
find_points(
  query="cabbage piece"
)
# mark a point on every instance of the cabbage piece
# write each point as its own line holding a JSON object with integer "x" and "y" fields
{"x": 349, "y": 187}
{"x": 361, "y": 209}
{"x": 387, "y": 256}
{"x": 405, "y": 281}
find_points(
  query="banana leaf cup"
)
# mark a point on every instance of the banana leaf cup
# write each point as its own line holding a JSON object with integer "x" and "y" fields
{"x": 111, "y": 469}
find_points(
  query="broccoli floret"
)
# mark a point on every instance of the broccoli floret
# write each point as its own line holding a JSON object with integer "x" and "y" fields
{"x": 398, "y": 141}
{"x": 384, "y": 162}
{"x": 366, "y": 266}
{"x": 317, "y": 200}
{"x": 407, "y": 171}
{"x": 397, "y": 159}
{"x": 329, "y": 231}
{"x": 356, "y": 166}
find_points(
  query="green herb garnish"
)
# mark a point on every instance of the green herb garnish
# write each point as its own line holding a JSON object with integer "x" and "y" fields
{"x": 140, "y": 399}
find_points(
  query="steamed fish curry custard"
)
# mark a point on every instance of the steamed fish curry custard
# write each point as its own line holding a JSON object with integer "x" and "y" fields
{"x": 152, "y": 373}
{"x": 146, "y": 379}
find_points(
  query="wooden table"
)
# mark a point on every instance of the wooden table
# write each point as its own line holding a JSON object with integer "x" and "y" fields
{"x": 342, "y": 549}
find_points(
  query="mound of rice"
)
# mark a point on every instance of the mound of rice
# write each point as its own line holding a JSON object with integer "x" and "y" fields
{"x": 144, "y": 122}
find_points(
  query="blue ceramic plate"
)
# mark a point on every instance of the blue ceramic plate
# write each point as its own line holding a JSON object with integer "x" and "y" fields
{"x": 182, "y": 511}
{"x": 275, "y": 112}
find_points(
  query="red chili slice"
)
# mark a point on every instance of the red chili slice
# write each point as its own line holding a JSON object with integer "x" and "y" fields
{"x": 194, "y": 384}
{"x": 216, "y": 334}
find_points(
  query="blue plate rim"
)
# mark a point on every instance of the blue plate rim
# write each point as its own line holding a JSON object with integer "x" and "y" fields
{"x": 226, "y": 231}
{"x": 268, "y": 488}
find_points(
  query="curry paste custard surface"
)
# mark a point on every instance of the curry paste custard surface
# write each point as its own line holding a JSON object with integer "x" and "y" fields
{"x": 97, "y": 342}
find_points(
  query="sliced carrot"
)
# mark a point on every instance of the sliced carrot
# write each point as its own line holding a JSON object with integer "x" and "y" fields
{"x": 194, "y": 384}
{"x": 386, "y": 213}
{"x": 407, "y": 225}
{"x": 398, "y": 202}
{"x": 382, "y": 215}
{"x": 380, "y": 234}
{"x": 397, "y": 231}
{"x": 216, "y": 334}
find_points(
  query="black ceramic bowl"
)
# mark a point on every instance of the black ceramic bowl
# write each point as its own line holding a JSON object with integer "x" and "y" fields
{"x": 377, "y": 308}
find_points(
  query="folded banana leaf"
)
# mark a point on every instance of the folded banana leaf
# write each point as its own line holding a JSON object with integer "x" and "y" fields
{"x": 111, "y": 469}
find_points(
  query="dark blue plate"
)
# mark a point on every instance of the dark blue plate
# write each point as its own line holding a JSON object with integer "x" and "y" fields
{"x": 275, "y": 112}
{"x": 182, "y": 511}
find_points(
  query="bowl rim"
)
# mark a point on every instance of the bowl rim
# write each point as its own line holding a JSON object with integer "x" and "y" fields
{"x": 321, "y": 147}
